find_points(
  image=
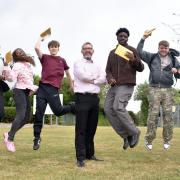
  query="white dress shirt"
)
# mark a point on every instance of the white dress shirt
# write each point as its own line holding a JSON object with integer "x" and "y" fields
{"x": 87, "y": 70}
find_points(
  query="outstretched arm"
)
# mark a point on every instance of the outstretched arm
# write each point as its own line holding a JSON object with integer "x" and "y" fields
{"x": 37, "y": 48}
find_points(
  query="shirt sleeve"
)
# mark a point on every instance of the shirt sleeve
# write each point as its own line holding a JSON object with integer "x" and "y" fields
{"x": 80, "y": 72}
{"x": 101, "y": 78}
{"x": 42, "y": 58}
{"x": 109, "y": 68}
{"x": 14, "y": 72}
{"x": 66, "y": 67}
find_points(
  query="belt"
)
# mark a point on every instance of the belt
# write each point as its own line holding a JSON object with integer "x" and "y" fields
{"x": 88, "y": 94}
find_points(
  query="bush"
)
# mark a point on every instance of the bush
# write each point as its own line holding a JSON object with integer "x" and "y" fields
{"x": 134, "y": 117}
{"x": 102, "y": 120}
{"x": 10, "y": 113}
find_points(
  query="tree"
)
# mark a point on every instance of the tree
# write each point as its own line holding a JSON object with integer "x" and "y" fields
{"x": 176, "y": 95}
{"x": 8, "y": 98}
{"x": 141, "y": 94}
{"x": 134, "y": 117}
{"x": 68, "y": 94}
{"x": 102, "y": 95}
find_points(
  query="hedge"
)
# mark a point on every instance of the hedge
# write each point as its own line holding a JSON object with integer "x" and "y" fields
{"x": 68, "y": 119}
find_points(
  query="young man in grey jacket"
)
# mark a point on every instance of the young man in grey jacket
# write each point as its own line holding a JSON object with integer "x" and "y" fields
{"x": 163, "y": 65}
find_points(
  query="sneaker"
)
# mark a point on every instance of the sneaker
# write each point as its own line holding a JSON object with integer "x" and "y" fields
{"x": 134, "y": 139}
{"x": 166, "y": 146}
{"x": 148, "y": 145}
{"x": 126, "y": 143}
{"x": 9, "y": 144}
{"x": 80, "y": 163}
{"x": 37, "y": 142}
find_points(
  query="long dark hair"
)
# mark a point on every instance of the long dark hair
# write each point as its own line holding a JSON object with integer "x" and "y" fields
{"x": 19, "y": 55}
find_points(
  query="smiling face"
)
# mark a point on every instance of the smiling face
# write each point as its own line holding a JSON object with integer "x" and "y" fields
{"x": 53, "y": 49}
{"x": 122, "y": 38}
{"x": 87, "y": 51}
{"x": 19, "y": 52}
{"x": 163, "y": 48}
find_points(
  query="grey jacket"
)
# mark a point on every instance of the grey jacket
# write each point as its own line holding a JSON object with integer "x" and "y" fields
{"x": 157, "y": 77}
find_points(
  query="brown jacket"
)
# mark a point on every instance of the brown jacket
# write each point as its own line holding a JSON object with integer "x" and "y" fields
{"x": 123, "y": 71}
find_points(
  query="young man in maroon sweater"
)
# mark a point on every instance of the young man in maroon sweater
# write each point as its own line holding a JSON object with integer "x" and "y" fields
{"x": 53, "y": 67}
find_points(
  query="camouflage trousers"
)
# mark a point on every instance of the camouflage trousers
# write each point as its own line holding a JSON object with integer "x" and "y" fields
{"x": 160, "y": 97}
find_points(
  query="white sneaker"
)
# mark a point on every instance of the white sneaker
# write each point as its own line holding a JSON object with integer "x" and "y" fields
{"x": 148, "y": 146}
{"x": 166, "y": 146}
{"x": 10, "y": 146}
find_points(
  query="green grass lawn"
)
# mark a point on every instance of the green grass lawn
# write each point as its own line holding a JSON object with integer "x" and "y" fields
{"x": 56, "y": 157}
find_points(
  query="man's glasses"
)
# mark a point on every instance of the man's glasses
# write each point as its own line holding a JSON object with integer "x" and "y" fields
{"x": 87, "y": 48}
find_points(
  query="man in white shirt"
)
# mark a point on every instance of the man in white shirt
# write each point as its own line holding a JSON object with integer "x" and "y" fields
{"x": 87, "y": 78}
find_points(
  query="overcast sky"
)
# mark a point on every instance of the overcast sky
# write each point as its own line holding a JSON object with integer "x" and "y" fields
{"x": 78, "y": 21}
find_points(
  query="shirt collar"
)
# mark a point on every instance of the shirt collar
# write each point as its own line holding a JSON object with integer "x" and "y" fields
{"x": 88, "y": 61}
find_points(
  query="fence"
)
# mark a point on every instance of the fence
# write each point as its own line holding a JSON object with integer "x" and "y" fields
{"x": 67, "y": 119}
{"x": 175, "y": 115}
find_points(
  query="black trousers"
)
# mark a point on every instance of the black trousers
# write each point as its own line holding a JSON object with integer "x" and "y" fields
{"x": 23, "y": 111}
{"x": 47, "y": 94}
{"x": 87, "y": 108}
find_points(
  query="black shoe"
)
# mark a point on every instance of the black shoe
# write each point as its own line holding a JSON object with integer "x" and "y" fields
{"x": 133, "y": 140}
{"x": 94, "y": 158}
{"x": 37, "y": 142}
{"x": 80, "y": 163}
{"x": 126, "y": 143}
{"x": 73, "y": 109}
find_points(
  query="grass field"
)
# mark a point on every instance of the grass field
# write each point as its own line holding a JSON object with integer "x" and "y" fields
{"x": 56, "y": 158}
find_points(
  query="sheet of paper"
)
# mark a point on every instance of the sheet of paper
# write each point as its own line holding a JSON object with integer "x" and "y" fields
{"x": 46, "y": 33}
{"x": 8, "y": 57}
{"x": 148, "y": 32}
{"x": 121, "y": 51}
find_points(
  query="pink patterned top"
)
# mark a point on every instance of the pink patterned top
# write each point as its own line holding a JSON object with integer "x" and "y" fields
{"x": 22, "y": 75}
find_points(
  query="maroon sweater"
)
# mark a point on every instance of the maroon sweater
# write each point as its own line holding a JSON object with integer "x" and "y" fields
{"x": 53, "y": 68}
{"x": 123, "y": 71}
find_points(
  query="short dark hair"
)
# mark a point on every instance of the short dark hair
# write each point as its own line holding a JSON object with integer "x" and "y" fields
{"x": 164, "y": 43}
{"x": 122, "y": 30}
{"x": 86, "y": 44}
{"x": 53, "y": 43}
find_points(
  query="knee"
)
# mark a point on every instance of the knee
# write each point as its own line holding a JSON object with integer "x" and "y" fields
{"x": 20, "y": 115}
{"x": 58, "y": 112}
{"x": 118, "y": 107}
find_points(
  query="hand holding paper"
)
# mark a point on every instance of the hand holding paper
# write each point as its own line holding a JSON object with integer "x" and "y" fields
{"x": 129, "y": 55}
{"x": 45, "y": 34}
{"x": 124, "y": 52}
{"x": 8, "y": 57}
{"x": 148, "y": 33}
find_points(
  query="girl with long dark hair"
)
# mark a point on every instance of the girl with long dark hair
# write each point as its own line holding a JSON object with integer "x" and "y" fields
{"x": 22, "y": 74}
